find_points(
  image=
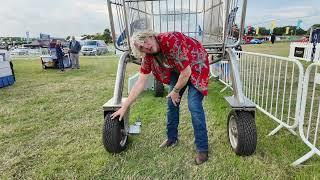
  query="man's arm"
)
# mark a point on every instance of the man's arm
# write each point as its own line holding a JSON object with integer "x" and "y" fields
{"x": 79, "y": 46}
{"x": 183, "y": 78}
{"x": 134, "y": 93}
{"x": 136, "y": 90}
{"x": 182, "y": 81}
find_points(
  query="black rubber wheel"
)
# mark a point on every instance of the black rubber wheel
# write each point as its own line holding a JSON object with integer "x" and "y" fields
{"x": 114, "y": 137}
{"x": 242, "y": 133}
{"x": 158, "y": 88}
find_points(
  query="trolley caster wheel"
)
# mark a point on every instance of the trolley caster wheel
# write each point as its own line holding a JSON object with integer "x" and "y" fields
{"x": 158, "y": 88}
{"x": 114, "y": 137}
{"x": 242, "y": 133}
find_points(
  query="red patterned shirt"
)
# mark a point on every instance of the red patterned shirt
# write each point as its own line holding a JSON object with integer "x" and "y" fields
{"x": 179, "y": 51}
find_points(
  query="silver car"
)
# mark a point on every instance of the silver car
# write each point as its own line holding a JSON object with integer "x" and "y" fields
{"x": 94, "y": 47}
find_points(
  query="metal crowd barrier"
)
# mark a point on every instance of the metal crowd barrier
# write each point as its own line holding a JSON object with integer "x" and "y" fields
{"x": 309, "y": 120}
{"x": 274, "y": 84}
{"x": 221, "y": 71}
{"x": 317, "y": 53}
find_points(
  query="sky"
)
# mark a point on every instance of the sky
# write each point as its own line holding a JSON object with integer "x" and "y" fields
{"x": 61, "y": 18}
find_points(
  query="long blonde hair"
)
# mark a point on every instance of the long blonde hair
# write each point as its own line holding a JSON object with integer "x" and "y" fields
{"x": 139, "y": 37}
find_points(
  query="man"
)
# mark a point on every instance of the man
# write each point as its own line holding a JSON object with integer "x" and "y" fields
{"x": 60, "y": 55}
{"x": 181, "y": 62}
{"x": 75, "y": 48}
{"x": 273, "y": 38}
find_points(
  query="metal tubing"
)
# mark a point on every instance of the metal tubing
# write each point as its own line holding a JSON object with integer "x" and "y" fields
{"x": 277, "y": 98}
{"x": 118, "y": 88}
{"x": 317, "y": 126}
{"x": 284, "y": 91}
{"x": 256, "y": 80}
{"x": 312, "y": 100}
{"x": 160, "y": 15}
{"x": 127, "y": 24}
{"x": 235, "y": 77}
{"x": 314, "y": 149}
{"x": 226, "y": 20}
{"x": 251, "y": 80}
{"x": 250, "y": 72}
{"x": 189, "y": 20}
{"x": 152, "y": 13}
{"x": 113, "y": 32}
{"x": 167, "y": 15}
{"x": 273, "y": 79}
{"x": 303, "y": 158}
{"x": 174, "y": 16}
{"x": 289, "y": 108}
{"x": 264, "y": 81}
{"x": 203, "y": 19}
{"x": 243, "y": 17}
{"x": 248, "y": 76}
{"x": 260, "y": 71}
{"x": 181, "y": 12}
{"x": 196, "y": 17}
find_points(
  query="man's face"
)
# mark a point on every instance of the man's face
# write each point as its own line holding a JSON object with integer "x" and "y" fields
{"x": 150, "y": 46}
{"x": 73, "y": 38}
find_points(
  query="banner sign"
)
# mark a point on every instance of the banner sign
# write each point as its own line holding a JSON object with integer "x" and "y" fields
{"x": 315, "y": 38}
{"x": 299, "y": 52}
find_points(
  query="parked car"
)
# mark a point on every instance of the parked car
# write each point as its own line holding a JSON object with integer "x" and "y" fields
{"x": 94, "y": 47}
{"x": 255, "y": 41}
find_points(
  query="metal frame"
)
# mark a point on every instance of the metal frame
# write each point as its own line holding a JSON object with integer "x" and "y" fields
{"x": 306, "y": 137}
{"x": 275, "y": 70}
{"x": 127, "y": 10}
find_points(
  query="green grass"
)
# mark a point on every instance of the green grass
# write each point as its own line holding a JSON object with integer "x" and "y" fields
{"x": 51, "y": 121}
{"x": 278, "y": 48}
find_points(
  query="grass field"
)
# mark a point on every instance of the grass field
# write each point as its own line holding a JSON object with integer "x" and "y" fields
{"x": 278, "y": 49}
{"x": 51, "y": 121}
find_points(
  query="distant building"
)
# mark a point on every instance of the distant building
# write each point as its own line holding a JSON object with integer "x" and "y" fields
{"x": 38, "y": 43}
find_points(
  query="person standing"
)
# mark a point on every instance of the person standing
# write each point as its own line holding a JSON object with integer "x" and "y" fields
{"x": 273, "y": 38}
{"x": 75, "y": 48}
{"x": 60, "y": 55}
{"x": 181, "y": 62}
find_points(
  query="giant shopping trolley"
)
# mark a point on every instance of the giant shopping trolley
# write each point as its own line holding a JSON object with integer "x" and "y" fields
{"x": 212, "y": 22}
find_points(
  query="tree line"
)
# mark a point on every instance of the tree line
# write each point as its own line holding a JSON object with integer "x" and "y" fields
{"x": 280, "y": 31}
{"x": 105, "y": 36}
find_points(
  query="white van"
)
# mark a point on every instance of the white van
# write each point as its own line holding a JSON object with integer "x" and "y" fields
{"x": 94, "y": 47}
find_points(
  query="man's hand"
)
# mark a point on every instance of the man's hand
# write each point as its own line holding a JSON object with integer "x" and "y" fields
{"x": 175, "y": 97}
{"x": 119, "y": 113}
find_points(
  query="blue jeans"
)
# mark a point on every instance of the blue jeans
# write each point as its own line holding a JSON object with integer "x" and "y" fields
{"x": 195, "y": 98}
{"x": 60, "y": 64}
